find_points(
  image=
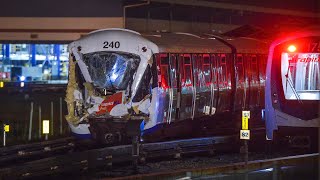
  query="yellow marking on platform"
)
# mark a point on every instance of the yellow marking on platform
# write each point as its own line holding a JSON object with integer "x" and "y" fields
{"x": 6, "y": 128}
{"x": 45, "y": 126}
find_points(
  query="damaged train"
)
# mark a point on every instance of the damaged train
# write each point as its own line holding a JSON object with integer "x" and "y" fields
{"x": 163, "y": 86}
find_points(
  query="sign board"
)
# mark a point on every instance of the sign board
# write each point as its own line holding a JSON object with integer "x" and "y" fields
{"x": 245, "y": 123}
{"x": 6, "y": 128}
{"x": 244, "y": 134}
{"x": 45, "y": 126}
{"x": 245, "y": 120}
{"x": 1, "y": 84}
{"x": 246, "y": 114}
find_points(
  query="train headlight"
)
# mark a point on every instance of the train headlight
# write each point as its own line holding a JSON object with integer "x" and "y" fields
{"x": 292, "y": 48}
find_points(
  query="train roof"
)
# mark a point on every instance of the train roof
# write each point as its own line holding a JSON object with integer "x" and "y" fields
{"x": 192, "y": 43}
{"x": 307, "y": 32}
{"x": 248, "y": 45}
{"x": 106, "y": 39}
{"x": 166, "y": 42}
{"x": 187, "y": 43}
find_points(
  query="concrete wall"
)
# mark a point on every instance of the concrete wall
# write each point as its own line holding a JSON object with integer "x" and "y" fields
{"x": 153, "y": 25}
{"x": 61, "y": 8}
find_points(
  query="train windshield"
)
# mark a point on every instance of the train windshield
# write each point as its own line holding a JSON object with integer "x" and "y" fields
{"x": 111, "y": 70}
{"x": 301, "y": 75}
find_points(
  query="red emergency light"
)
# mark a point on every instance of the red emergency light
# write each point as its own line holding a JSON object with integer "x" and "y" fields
{"x": 292, "y": 48}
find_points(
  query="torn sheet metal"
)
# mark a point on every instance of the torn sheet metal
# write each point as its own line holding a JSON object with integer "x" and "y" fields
{"x": 95, "y": 102}
{"x": 110, "y": 102}
{"x": 71, "y": 88}
{"x": 119, "y": 110}
{"x": 77, "y": 95}
{"x": 144, "y": 106}
{"x": 89, "y": 87}
{"x": 156, "y": 109}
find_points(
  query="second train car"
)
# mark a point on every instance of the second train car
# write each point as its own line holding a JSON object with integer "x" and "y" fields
{"x": 293, "y": 89}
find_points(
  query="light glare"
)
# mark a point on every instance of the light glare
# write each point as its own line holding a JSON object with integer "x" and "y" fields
{"x": 292, "y": 48}
{"x": 22, "y": 78}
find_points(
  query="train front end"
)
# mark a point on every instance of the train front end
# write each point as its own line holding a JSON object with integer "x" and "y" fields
{"x": 105, "y": 95}
{"x": 293, "y": 86}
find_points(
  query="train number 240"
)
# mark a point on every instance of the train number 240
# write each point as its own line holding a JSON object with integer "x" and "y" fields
{"x": 112, "y": 44}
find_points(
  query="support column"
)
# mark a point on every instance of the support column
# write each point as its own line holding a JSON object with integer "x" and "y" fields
{"x": 6, "y": 51}
{"x": 57, "y": 52}
{"x": 2, "y": 52}
{"x": 33, "y": 55}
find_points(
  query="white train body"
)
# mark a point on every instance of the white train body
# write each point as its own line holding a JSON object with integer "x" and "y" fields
{"x": 118, "y": 75}
{"x": 293, "y": 84}
{"x": 116, "y": 40}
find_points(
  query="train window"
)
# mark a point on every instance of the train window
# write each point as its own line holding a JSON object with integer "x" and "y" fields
{"x": 223, "y": 74}
{"x": 240, "y": 69}
{"x": 253, "y": 59}
{"x": 206, "y": 59}
{"x": 239, "y": 58}
{"x": 174, "y": 71}
{"x": 223, "y": 59}
{"x": 187, "y": 60}
{"x": 263, "y": 66}
{"x": 164, "y": 71}
{"x": 154, "y": 72}
{"x": 144, "y": 86}
{"x": 164, "y": 60}
{"x": 206, "y": 69}
{"x": 198, "y": 70}
{"x": 301, "y": 75}
{"x": 214, "y": 69}
{"x": 187, "y": 75}
{"x": 254, "y": 69}
{"x": 201, "y": 73}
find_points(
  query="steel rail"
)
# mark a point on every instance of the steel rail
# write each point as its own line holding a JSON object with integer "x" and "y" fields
{"x": 25, "y": 151}
{"x": 233, "y": 168}
{"x": 97, "y": 158}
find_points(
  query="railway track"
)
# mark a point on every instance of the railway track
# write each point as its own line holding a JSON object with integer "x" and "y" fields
{"x": 28, "y": 152}
{"x": 290, "y": 167}
{"x": 120, "y": 161}
{"x": 91, "y": 160}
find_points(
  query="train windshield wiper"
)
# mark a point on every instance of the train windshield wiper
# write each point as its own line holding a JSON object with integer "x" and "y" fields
{"x": 289, "y": 80}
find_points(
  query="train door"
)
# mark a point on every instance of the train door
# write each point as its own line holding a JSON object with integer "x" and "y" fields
{"x": 215, "y": 83}
{"x": 224, "y": 103}
{"x": 196, "y": 63}
{"x": 206, "y": 85}
{"x": 175, "y": 91}
{"x": 251, "y": 78}
{"x": 201, "y": 85}
{"x": 241, "y": 90}
{"x": 262, "y": 62}
{"x": 164, "y": 84}
{"x": 186, "y": 98}
{"x": 253, "y": 81}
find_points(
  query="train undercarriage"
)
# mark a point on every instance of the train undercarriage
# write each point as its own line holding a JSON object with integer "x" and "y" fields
{"x": 111, "y": 131}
